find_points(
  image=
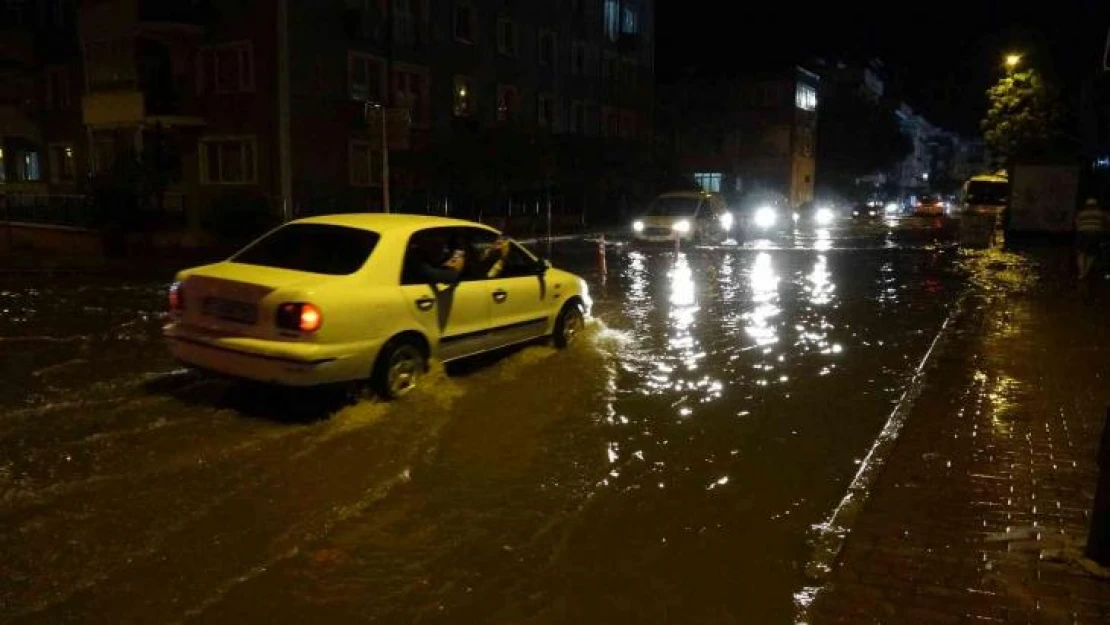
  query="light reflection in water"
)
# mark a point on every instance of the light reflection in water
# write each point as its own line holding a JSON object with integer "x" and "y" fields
{"x": 824, "y": 240}
{"x": 765, "y": 294}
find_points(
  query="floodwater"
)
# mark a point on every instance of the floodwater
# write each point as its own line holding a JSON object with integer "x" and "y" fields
{"x": 670, "y": 468}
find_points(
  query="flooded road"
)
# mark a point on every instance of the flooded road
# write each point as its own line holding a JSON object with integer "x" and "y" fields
{"x": 668, "y": 469}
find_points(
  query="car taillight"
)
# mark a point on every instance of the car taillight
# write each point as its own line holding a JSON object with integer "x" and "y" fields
{"x": 299, "y": 316}
{"x": 177, "y": 297}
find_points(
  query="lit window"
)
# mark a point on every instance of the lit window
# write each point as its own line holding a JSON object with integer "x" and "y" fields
{"x": 805, "y": 97}
{"x": 228, "y": 160}
{"x": 465, "y": 98}
{"x": 28, "y": 168}
{"x": 365, "y": 76}
{"x": 709, "y": 182}
{"x": 227, "y": 68}
{"x": 612, "y": 19}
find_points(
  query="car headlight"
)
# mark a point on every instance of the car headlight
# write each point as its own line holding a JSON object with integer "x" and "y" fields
{"x": 765, "y": 217}
{"x": 681, "y": 227}
{"x": 638, "y": 226}
{"x": 824, "y": 216}
{"x": 726, "y": 220}
{"x": 871, "y": 213}
{"x": 855, "y": 213}
{"x": 892, "y": 208}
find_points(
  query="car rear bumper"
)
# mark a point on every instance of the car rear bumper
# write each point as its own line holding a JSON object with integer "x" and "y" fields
{"x": 276, "y": 362}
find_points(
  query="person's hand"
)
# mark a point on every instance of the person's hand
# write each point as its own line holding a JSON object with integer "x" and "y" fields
{"x": 456, "y": 262}
{"x": 502, "y": 245}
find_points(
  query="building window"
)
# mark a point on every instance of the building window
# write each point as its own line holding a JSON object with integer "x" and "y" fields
{"x": 506, "y": 36}
{"x": 628, "y": 73}
{"x": 545, "y": 110}
{"x": 465, "y": 21}
{"x": 628, "y": 125}
{"x": 57, "y": 88}
{"x": 408, "y": 20}
{"x": 465, "y": 97}
{"x": 227, "y": 68}
{"x": 365, "y": 76}
{"x": 805, "y": 97}
{"x": 547, "y": 49}
{"x": 410, "y": 89}
{"x": 577, "y": 117}
{"x": 61, "y": 163}
{"x": 578, "y": 59}
{"x": 508, "y": 103}
{"x": 630, "y": 21}
{"x": 230, "y": 160}
{"x": 3, "y": 169}
{"x": 364, "y": 170}
{"x": 612, "y": 19}
{"x": 27, "y": 166}
{"x": 709, "y": 182}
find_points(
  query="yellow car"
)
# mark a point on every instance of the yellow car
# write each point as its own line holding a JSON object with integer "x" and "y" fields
{"x": 373, "y": 297}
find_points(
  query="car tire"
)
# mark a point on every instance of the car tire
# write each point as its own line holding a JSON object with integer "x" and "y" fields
{"x": 401, "y": 364}
{"x": 568, "y": 326}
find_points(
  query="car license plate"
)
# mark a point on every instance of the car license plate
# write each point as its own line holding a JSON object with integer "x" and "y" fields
{"x": 230, "y": 310}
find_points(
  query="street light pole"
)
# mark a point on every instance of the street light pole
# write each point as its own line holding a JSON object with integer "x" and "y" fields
{"x": 385, "y": 163}
{"x": 385, "y": 155}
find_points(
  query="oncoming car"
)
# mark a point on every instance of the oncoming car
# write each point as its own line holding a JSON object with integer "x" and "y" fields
{"x": 684, "y": 215}
{"x": 347, "y": 298}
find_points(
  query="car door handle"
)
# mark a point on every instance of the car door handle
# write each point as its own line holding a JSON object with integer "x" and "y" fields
{"x": 500, "y": 296}
{"x": 425, "y": 303}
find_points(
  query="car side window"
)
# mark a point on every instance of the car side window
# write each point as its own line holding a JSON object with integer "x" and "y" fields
{"x": 518, "y": 263}
{"x": 429, "y": 254}
{"x": 481, "y": 253}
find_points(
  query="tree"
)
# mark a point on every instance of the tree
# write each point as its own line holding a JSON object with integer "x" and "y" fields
{"x": 1023, "y": 117}
{"x": 857, "y": 137}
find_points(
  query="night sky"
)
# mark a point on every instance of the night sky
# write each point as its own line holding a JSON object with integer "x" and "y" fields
{"x": 942, "y": 56}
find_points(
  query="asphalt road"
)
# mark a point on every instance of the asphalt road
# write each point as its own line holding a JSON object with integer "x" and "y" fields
{"x": 668, "y": 469}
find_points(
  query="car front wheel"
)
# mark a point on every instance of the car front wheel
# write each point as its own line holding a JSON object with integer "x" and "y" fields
{"x": 569, "y": 325}
{"x": 400, "y": 366}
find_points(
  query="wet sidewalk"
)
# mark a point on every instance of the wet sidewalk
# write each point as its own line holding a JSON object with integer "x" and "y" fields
{"x": 980, "y": 513}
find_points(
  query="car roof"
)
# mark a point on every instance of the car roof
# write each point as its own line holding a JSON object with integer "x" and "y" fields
{"x": 387, "y": 222}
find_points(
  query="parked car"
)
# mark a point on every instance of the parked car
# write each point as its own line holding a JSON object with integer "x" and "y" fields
{"x": 684, "y": 215}
{"x": 346, "y": 298}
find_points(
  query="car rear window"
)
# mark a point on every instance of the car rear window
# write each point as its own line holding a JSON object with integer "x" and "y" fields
{"x": 315, "y": 248}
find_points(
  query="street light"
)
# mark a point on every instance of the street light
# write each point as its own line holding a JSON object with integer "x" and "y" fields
{"x": 1012, "y": 61}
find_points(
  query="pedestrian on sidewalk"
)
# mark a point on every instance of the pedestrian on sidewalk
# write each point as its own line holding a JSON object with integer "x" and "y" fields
{"x": 1090, "y": 229}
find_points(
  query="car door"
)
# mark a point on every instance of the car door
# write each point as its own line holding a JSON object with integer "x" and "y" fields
{"x": 522, "y": 298}
{"x": 455, "y": 317}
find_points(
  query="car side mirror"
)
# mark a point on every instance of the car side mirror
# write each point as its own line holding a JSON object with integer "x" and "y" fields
{"x": 542, "y": 266}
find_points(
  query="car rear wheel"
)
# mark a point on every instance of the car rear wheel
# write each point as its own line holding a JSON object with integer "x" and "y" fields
{"x": 569, "y": 325}
{"x": 400, "y": 366}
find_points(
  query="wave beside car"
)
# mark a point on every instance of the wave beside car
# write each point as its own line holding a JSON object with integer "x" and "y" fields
{"x": 340, "y": 298}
